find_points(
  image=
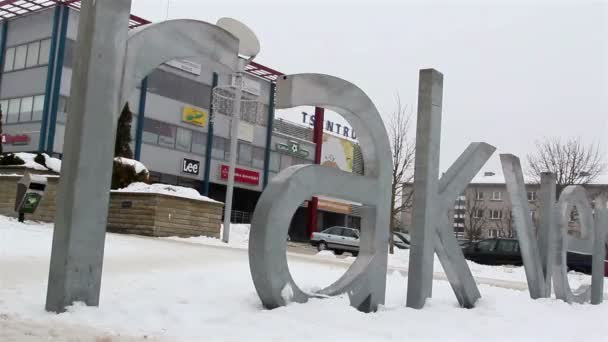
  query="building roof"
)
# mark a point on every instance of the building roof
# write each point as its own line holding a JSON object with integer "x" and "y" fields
{"x": 10, "y": 9}
{"x": 485, "y": 177}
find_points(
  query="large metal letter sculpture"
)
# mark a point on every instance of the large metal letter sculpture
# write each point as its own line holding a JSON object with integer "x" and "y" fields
{"x": 594, "y": 237}
{"x": 151, "y": 45}
{"x": 105, "y": 66}
{"x": 433, "y": 199}
{"x": 365, "y": 280}
{"x": 538, "y": 273}
{"x": 545, "y": 259}
{"x": 84, "y": 189}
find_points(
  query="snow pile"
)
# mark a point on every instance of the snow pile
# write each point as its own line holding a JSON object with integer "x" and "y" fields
{"x": 164, "y": 189}
{"x": 139, "y": 167}
{"x": 161, "y": 290}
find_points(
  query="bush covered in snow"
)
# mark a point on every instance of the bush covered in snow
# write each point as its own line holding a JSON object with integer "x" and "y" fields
{"x": 11, "y": 159}
{"x": 126, "y": 171}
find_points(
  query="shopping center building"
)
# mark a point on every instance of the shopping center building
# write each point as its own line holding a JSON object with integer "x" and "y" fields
{"x": 173, "y": 122}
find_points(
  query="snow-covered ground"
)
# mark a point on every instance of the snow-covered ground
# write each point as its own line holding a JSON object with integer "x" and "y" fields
{"x": 168, "y": 290}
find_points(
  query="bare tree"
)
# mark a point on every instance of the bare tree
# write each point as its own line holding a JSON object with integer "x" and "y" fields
{"x": 403, "y": 150}
{"x": 572, "y": 162}
{"x": 475, "y": 215}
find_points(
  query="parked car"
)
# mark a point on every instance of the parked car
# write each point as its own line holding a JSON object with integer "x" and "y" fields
{"x": 337, "y": 239}
{"x": 502, "y": 251}
{"x": 401, "y": 240}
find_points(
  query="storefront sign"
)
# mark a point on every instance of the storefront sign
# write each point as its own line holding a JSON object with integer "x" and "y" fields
{"x": 331, "y": 126}
{"x": 187, "y": 66}
{"x": 20, "y": 139}
{"x": 241, "y": 175}
{"x": 292, "y": 147}
{"x": 190, "y": 166}
{"x": 195, "y": 116}
{"x": 332, "y": 206}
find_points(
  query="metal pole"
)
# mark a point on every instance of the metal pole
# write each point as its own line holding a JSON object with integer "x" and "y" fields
{"x": 234, "y": 135}
{"x": 317, "y": 138}
{"x": 209, "y": 147}
{"x": 268, "y": 149}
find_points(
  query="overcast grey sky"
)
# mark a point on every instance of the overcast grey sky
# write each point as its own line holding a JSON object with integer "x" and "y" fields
{"x": 513, "y": 71}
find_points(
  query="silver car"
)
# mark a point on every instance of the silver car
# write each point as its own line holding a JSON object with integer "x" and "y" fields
{"x": 338, "y": 239}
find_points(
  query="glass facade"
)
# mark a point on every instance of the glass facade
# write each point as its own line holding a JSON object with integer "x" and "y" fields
{"x": 28, "y": 55}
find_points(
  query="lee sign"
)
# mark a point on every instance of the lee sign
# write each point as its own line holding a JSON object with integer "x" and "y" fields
{"x": 190, "y": 166}
{"x": 543, "y": 254}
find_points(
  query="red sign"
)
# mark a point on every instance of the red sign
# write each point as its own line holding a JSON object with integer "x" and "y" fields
{"x": 20, "y": 139}
{"x": 241, "y": 175}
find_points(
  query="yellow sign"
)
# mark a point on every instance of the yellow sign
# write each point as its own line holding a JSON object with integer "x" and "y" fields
{"x": 195, "y": 116}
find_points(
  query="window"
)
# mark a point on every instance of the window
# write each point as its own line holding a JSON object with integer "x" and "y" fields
{"x": 199, "y": 142}
{"x": 531, "y": 196}
{"x": 286, "y": 161}
{"x": 478, "y": 213}
{"x": 275, "y": 161}
{"x": 217, "y": 150}
{"x": 45, "y": 49}
{"x": 184, "y": 139}
{"x": 493, "y": 233}
{"x": 507, "y": 246}
{"x": 487, "y": 245}
{"x": 495, "y": 214}
{"x": 479, "y": 196}
{"x": 150, "y": 133}
{"x": 20, "y": 55}
{"x": 33, "y": 50}
{"x": 13, "y": 110}
{"x": 244, "y": 154}
{"x": 9, "y": 59}
{"x": 4, "y": 108}
{"x": 38, "y": 107}
{"x": 166, "y": 135}
{"x": 177, "y": 87}
{"x": 351, "y": 233}
{"x": 496, "y": 196}
{"x": 257, "y": 154}
{"x": 27, "y": 55}
{"x": 25, "y": 114}
{"x": 227, "y": 144}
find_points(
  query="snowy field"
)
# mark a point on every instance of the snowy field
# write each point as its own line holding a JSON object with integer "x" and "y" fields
{"x": 199, "y": 290}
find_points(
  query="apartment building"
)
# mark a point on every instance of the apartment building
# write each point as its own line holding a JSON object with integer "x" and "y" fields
{"x": 483, "y": 210}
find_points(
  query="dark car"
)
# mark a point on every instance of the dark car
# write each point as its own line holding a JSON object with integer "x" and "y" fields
{"x": 494, "y": 252}
{"x": 501, "y": 251}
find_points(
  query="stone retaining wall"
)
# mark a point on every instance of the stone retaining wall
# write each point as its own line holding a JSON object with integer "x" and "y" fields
{"x": 163, "y": 215}
{"x": 130, "y": 213}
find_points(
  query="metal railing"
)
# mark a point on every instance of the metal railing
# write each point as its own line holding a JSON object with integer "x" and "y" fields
{"x": 237, "y": 216}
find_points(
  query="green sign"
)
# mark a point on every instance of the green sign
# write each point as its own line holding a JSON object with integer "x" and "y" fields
{"x": 293, "y": 148}
{"x": 30, "y": 203}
